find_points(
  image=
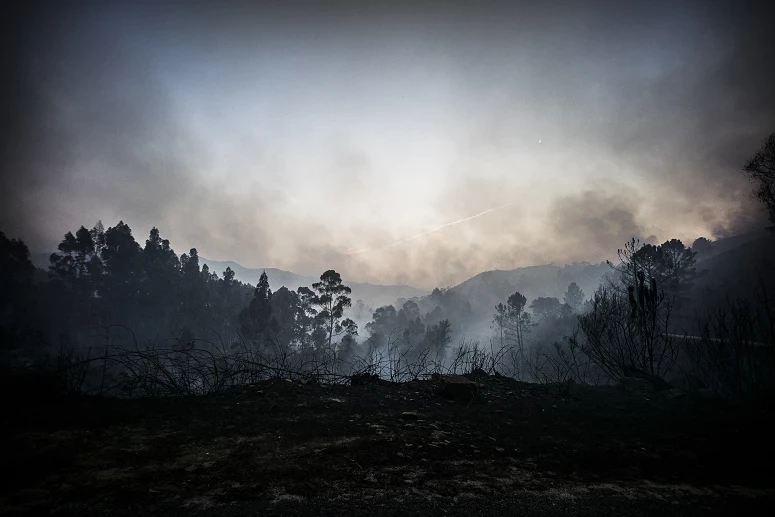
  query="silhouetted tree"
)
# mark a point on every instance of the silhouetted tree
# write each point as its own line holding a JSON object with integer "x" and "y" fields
{"x": 384, "y": 322}
{"x": 512, "y": 321}
{"x": 412, "y": 327}
{"x": 761, "y": 169}
{"x": 438, "y": 337}
{"x": 676, "y": 266}
{"x": 75, "y": 253}
{"x": 671, "y": 264}
{"x": 332, "y": 298}
{"x": 98, "y": 236}
{"x": 16, "y": 292}
{"x": 546, "y": 308}
{"x": 627, "y": 328}
{"x": 162, "y": 275}
{"x": 308, "y": 327}
{"x": 347, "y": 347}
{"x": 123, "y": 273}
{"x": 256, "y": 320}
{"x": 285, "y": 311}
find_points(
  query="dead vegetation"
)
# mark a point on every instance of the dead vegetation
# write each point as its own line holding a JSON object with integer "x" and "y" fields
{"x": 279, "y": 447}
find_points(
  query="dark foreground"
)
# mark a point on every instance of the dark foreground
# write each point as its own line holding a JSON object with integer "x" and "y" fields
{"x": 281, "y": 448}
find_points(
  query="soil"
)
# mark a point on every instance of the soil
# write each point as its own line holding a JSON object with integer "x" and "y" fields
{"x": 284, "y": 448}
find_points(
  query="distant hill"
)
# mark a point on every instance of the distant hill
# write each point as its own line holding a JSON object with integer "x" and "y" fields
{"x": 372, "y": 295}
{"x": 471, "y": 304}
{"x": 735, "y": 242}
{"x": 493, "y": 287}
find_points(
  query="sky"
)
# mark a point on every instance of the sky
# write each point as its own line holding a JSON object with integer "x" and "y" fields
{"x": 364, "y": 136}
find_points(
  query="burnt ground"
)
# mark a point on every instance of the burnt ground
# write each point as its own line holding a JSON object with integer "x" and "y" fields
{"x": 280, "y": 448}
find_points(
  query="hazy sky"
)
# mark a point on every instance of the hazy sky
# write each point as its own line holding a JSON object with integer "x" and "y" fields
{"x": 297, "y": 136}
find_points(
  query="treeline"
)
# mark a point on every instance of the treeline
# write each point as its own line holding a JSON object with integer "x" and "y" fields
{"x": 103, "y": 286}
{"x": 165, "y": 324}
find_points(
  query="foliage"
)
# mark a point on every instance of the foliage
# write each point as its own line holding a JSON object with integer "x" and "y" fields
{"x": 761, "y": 169}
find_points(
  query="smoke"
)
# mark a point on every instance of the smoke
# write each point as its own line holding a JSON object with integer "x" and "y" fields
{"x": 289, "y": 137}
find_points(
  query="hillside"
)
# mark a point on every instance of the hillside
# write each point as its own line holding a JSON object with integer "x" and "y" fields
{"x": 492, "y": 287}
{"x": 737, "y": 269}
{"x": 470, "y": 305}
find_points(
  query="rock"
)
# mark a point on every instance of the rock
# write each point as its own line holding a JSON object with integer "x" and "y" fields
{"x": 457, "y": 387}
{"x": 409, "y": 415}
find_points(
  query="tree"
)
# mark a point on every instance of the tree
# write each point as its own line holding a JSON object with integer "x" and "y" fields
{"x": 546, "y": 308}
{"x": 256, "y": 318}
{"x": 761, "y": 168}
{"x": 622, "y": 334}
{"x": 74, "y": 260}
{"x": 162, "y": 272}
{"x": 16, "y": 272}
{"x": 16, "y": 269}
{"x": 676, "y": 266}
{"x": 347, "y": 347}
{"x": 412, "y": 327}
{"x": 636, "y": 257}
{"x": 512, "y": 321}
{"x": 671, "y": 264}
{"x": 383, "y": 323}
{"x": 193, "y": 292}
{"x": 628, "y": 326}
{"x": 574, "y": 297}
{"x": 309, "y": 330}
{"x": 332, "y": 298}
{"x": 438, "y": 337}
{"x": 98, "y": 236}
{"x": 285, "y": 310}
{"x": 123, "y": 273}
{"x": 121, "y": 253}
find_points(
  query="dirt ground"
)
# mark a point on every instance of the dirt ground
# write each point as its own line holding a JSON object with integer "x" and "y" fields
{"x": 283, "y": 448}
